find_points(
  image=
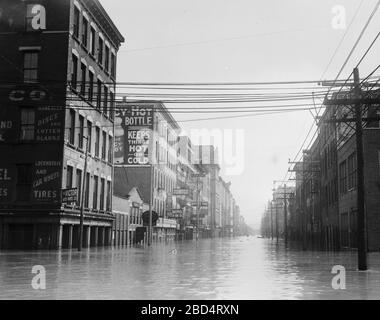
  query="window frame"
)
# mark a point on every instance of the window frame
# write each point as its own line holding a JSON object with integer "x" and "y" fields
{"x": 72, "y": 122}
{"x": 76, "y": 23}
{"x": 30, "y": 125}
{"x": 31, "y": 67}
{"x": 85, "y": 24}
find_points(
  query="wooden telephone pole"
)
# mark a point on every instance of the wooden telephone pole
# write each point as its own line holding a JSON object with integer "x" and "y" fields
{"x": 362, "y": 236}
{"x": 358, "y": 101}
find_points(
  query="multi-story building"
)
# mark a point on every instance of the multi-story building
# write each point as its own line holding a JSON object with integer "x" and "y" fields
{"x": 58, "y": 73}
{"x": 326, "y": 193}
{"x": 146, "y": 158}
{"x": 347, "y": 170}
{"x": 328, "y": 189}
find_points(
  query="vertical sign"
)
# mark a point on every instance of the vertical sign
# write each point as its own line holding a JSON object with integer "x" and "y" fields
{"x": 134, "y": 133}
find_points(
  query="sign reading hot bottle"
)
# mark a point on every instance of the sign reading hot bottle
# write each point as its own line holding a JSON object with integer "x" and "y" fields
{"x": 137, "y": 125}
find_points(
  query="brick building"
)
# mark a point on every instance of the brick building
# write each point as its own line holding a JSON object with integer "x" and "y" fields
{"x": 57, "y": 74}
{"x": 146, "y": 133}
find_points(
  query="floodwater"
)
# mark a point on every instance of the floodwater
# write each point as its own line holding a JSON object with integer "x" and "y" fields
{"x": 237, "y": 268}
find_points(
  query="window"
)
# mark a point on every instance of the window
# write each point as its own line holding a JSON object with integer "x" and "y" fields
{"x": 30, "y": 70}
{"x": 79, "y": 185}
{"x": 105, "y": 102}
{"x": 81, "y": 131}
{"x": 87, "y": 191}
{"x": 107, "y": 59}
{"x": 83, "y": 79}
{"x": 95, "y": 193}
{"x": 90, "y": 86}
{"x": 92, "y": 41}
{"x": 89, "y": 135}
{"x": 24, "y": 182}
{"x": 100, "y": 51}
{"x": 84, "y": 32}
{"x": 76, "y": 22}
{"x": 343, "y": 177}
{"x": 110, "y": 149}
{"x": 113, "y": 65}
{"x": 102, "y": 186}
{"x": 74, "y": 74}
{"x": 104, "y": 145}
{"x": 99, "y": 94}
{"x": 352, "y": 171}
{"x": 27, "y": 124}
{"x": 97, "y": 141}
{"x": 69, "y": 177}
{"x": 72, "y": 127}
{"x": 108, "y": 204}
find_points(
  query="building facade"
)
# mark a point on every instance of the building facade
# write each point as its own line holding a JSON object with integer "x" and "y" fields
{"x": 57, "y": 104}
{"x": 146, "y": 157}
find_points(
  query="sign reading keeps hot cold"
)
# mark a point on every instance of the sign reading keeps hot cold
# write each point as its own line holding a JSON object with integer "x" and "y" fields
{"x": 134, "y": 134}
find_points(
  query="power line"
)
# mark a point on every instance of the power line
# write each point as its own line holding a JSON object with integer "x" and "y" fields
{"x": 345, "y": 63}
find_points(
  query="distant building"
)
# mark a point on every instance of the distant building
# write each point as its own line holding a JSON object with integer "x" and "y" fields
{"x": 325, "y": 203}
{"x": 146, "y": 134}
{"x": 58, "y": 70}
{"x": 128, "y": 211}
{"x": 206, "y": 155}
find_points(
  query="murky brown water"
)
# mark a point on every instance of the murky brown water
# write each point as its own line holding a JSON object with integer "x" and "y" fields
{"x": 240, "y": 268}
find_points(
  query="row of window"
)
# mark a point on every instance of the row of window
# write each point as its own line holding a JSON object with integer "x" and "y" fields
{"x": 331, "y": 192}
{"x": 95, "y": 93}
{"x": 162, "y": 181}
{"x": 88, "y": 37}
{"x": 347, "y": 174}
{"x": 135, "y": 217}
{"x": 99, "y": 188}
{"x": 160, "y": 207}
{"x": 96, "y": 138}
{"x": 329, "y": 157}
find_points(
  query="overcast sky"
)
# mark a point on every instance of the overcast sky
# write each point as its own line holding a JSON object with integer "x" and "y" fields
{"x": 243, "y": 40}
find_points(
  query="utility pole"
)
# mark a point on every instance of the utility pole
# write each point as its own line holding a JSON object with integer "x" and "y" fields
{"x": 303, "y": 206}
{"x": 285, "y": 217}
{"x": 361, "y": 218}
{"x": 80, "y": 238}
{"x": 150, "y": 227}
{"x": 197, "y": 208}
{"x": 276, "y": 222}
{"x": 271, "y": 220}
{"x": 152, "y": 168}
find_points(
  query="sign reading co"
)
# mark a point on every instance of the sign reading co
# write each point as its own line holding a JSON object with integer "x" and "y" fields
{"x": 20, "y": 95}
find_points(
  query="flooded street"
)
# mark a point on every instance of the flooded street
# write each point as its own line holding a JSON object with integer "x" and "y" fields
{"x": 238, "y": 268}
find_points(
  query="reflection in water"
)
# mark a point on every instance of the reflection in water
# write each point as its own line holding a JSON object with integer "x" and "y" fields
{"x": 239, "y": 268}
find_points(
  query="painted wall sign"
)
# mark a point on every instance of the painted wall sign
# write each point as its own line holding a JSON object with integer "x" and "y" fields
{"x": 21, "y": 95}
{"x": 5, "y": 183}
{"x": 180, "y": 192}
{"x": 46, "y": 181}
{"x": 49, "y": 126}
{"x": 134, "y": 134}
